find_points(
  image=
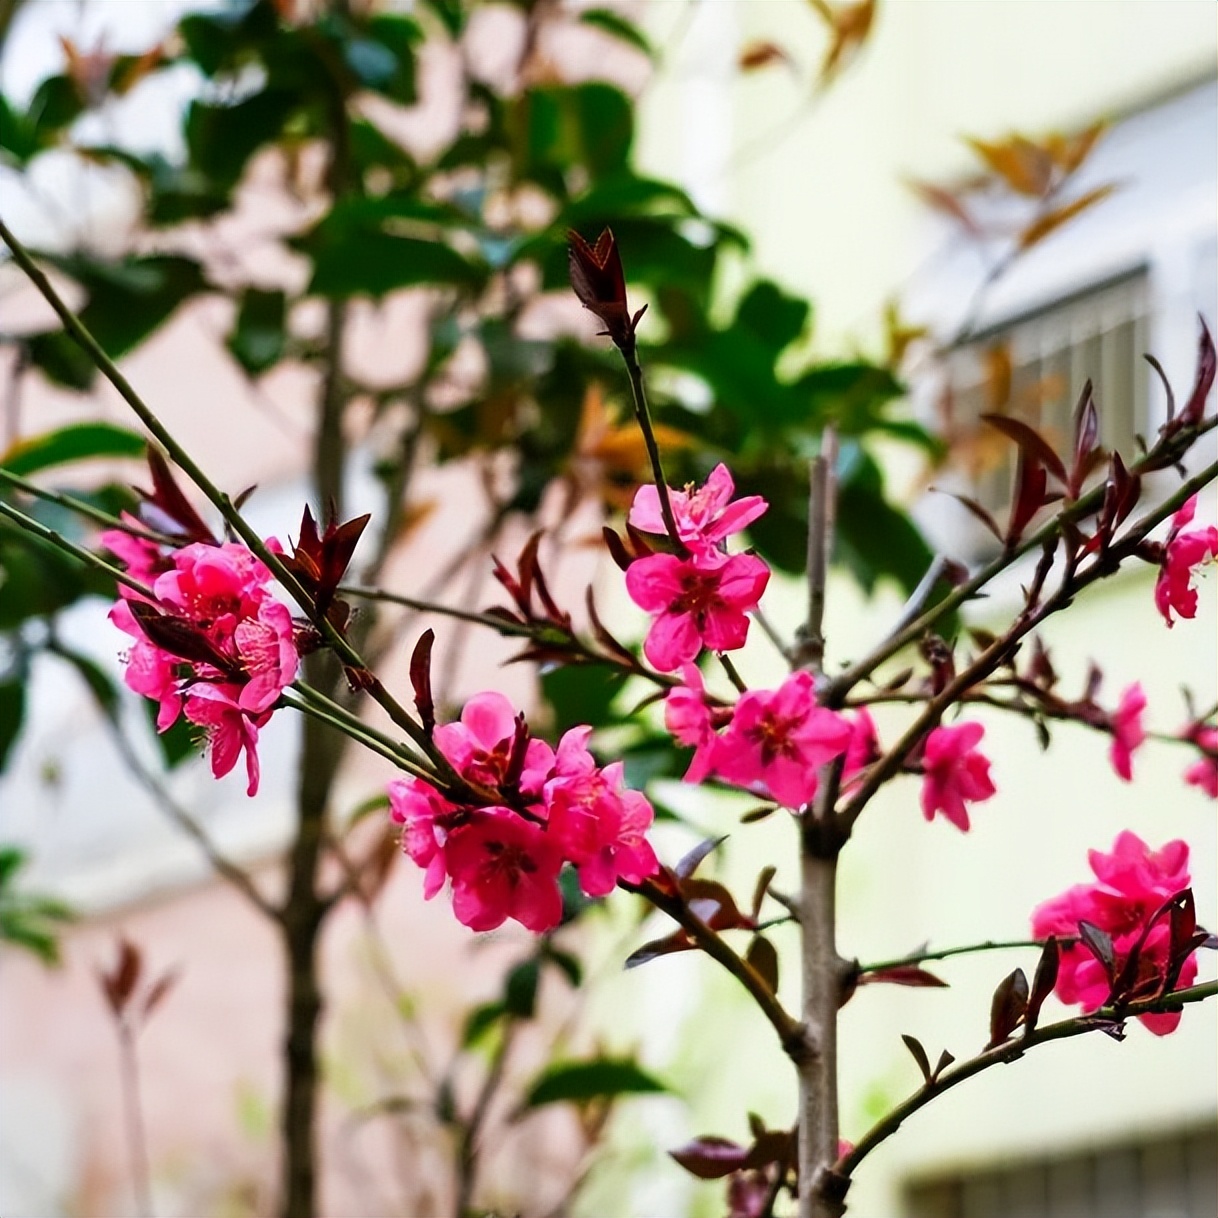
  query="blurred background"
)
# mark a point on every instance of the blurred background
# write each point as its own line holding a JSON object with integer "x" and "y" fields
{"x": 246, "y": 200}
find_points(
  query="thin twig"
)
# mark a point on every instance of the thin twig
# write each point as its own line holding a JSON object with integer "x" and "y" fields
{"x": 642, "y": 415}
{"x": 790, "y": 1032}
{"x": 1012, "y": 1050}
{"x": 35, "y": 527}
{"x": 989, "y": 659}
{"x": 81, "y": 508}
{"x": 223, "y": 866}
{"x": 349, "y": 656}
{"x": 990, "y": 945}
{"x": 1082, "y": 507}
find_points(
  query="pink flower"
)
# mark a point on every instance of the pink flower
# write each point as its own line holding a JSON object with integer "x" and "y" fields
{"x": 214, "y": 585}
{"x": 480, "y": 745}
{"x": 695, "y": 605}
{"x": 425, "y": 816}
{"x": 229, "y": 729}
{"x": 142, "y": 559}
{"x": 503, "y": 867}
{"x": 691, "y": 722}
{"x": 1132, "y": 884}
{"x": 267, "y": 651}
{"x": 597, "y": 823}
{"x": 705, "y": 516}
{"x": 778, "y": 740}
{"x": 1203, "y": 772}
{"x": 1182, "y": 554}
{"x": 864, "y": 748}
{"x": 954, "y": 772}
{"x": 1127, "y": 732}
{"x": 149, "y": 670}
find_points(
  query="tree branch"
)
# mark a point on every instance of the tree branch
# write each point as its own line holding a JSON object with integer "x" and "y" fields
{"x": 1010, "y": 1051}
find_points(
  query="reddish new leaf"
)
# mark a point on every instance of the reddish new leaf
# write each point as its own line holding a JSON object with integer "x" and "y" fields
{"x": 914, "y": 1045}
{"x": 600, "y": 284}
{"x": 690, "y": 861}
{"x": 169, "y": 498}
{"x": 903, "y": 974}
{"x": 119, "y": 982}
{"x": 420, "y": 680}
{"x": 1030, "y": 441}
{"x": 765, "y": 878}
{"x": 180, "y": 637}
{"x": 1099, "y": 943}
{"x": 1194, "y": 408}
{"x": 714, "y": 905}
{"x": 1009, "y": 1004}
{"x": 1086, "y": 439}
{"x": 1043, "y": 981}
{"x": 710, "y": 1157}
{"x": 166, "y": 982}
{"x": 978, "y": 511}
{"x": 764, "y": 958}
{"x": 616, "y": 547}
{"x": 678, "y": 941}
{"x": 1030, "y": 484}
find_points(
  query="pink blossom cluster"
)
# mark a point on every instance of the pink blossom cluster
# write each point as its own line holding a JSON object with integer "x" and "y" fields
{"x": 771, "y": 742}
{"x": 701, "y": 598}
{"x": 1183, "y": 553}
{"x": 213, "y": 644}
{"x": 559, "y": 806}
{"x": 1131, "y": 884}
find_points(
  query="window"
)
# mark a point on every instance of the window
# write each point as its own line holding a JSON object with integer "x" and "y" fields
{"x": 1170, "y": 1177}
{"x": 1034, "y": 368}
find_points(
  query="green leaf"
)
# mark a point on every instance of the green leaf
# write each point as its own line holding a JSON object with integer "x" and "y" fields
{"x": 62, "y": 359}
{"x": 128, "y": 300}
{"x": 38, "y": 579}
{"x": 393, "y": 73}
{"x": 258, "y": 336}
{"x": 76, "y": 442}
{"x": 12, "y": 713}
{"x": 28, "y": 921}
{"x": 221, "y": 139}
{"x": 772, "y": 316}
{"x": 370, "y": 148}
{"x": 56, "y": 104}
{"x": 217, "y": 40}
{"x": 18, "y": 135}
{"x": 520, "y": 990}
{"x": 558, "y": 126}
{"x": 451, "y": 14}
{"x": 581, "y": 693}
{"x": 480, "y": 1021}
{"x": 602, "y": 1078}
{"x": 874, "y": 538}
{"x": 617, "y": 25}
{"x": 568, "y": 963}
{"x": 373, "y": 263}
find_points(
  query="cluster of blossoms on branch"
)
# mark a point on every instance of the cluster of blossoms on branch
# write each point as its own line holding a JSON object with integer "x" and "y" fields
{"x": 1130, "y": 904}
{"x": 558, "y": 806}
{"x": 212, "y": 643}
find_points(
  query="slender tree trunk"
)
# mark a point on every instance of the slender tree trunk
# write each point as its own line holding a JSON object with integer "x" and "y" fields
{"x": 822, "y": 984}
{"x": 305, "y": 909}
{"x": 823, "y": 970}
